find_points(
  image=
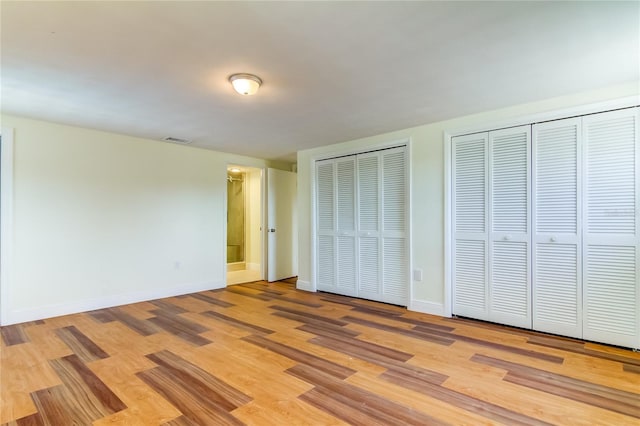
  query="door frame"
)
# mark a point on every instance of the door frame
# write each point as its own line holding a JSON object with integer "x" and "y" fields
{"x": 407, "y": 142}
{"x": 6, "y": 221}
{"x": 497, "y": 124}
{"x": 263, "y": 216}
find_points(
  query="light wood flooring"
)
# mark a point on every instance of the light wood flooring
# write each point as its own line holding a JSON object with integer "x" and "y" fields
{"x": 267, "y": 354}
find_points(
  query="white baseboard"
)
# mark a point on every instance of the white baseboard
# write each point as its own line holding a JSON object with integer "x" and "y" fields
{"x": 50, "y": 311}
{"x": 427, "y": 307}
{"x": 253, "y": 266}
{"x": 305, "y": 285}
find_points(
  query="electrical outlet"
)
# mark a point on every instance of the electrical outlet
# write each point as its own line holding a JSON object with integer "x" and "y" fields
{"x": 177, "y": 265}
{"x": 417, "y": 274}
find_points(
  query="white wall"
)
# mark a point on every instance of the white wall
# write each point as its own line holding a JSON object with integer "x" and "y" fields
{"x": 253, "y": 186}
{"x": 427, "y": 188}
{"x": 102, "y": 219}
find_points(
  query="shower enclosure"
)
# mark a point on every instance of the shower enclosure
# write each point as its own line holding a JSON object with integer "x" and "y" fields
{"x": 236, "y": 220}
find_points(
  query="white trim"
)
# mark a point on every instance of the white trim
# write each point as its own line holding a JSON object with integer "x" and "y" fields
{"x": 59, "y": 309}
{"x": 448, "y": 232}
{"x": 426, "y": 307}
{"x": 305, "y": 285}
{"x": 6, "y": 223}
{"x": 525, "y": 120}
{"x": 253, "y": 267}
{"x": 408, "y": 152}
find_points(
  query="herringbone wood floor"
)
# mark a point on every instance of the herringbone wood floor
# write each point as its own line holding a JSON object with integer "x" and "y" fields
{"x": 267, "y": 354}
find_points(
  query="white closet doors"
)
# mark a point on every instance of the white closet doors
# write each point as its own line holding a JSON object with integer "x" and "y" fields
{"x": 557, "y": 253}
{"x": 584, "y": 199}
{"x": 611, "y": 286}
{"x": 361, "y": 226}
{"x": 491, "y": 268}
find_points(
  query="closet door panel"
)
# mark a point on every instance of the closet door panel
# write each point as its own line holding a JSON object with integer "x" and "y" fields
{"x": 326, "y": 225}
{"x": 470, "y": 239}
{"x": 557, "y": 281}
{"x": 395, "y": 274}
{"x": 611, "y": 201}
{"x": 346, "y": 277}
{"x": 509, "y": 271}
{"x": 369, "y": 218}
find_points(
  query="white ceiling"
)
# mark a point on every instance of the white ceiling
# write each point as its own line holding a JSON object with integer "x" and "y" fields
{"x": 332, "y": 71}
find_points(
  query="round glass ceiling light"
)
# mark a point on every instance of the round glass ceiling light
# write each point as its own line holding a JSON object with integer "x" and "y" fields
{"x": 245, "y": 84}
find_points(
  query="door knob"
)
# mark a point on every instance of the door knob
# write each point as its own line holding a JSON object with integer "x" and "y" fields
{"x": 553, "y": 239}
{"x": 271, "y": 230}
{"x": 507, "y": 237}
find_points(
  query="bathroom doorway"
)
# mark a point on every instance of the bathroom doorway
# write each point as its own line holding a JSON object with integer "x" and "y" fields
{"x": 244, "y": 224}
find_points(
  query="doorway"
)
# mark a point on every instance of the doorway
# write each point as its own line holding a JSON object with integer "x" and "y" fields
{"x": 244, "y": 247}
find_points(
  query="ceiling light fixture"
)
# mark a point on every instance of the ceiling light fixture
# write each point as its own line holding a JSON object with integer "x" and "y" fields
{"x": 245, "y": 84}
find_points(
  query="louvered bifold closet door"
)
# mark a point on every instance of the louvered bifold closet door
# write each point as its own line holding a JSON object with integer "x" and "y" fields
{"x": 395, "y": 275}
{"x": 470, "y": 236}
{"x": 611, "y": 207}
{"x": 509, "y": 258}
{"x": 557, "y": 247}
{"x": 346, "y": 276}
{"x": 369, "y": 224}
{"x": 326, "y": 225}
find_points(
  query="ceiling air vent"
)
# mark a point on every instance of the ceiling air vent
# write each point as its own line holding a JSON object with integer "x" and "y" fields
{"x": 177, "y": 140}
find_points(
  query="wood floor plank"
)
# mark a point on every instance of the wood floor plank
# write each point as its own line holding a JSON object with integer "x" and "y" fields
{"x": 440, "y": 340}
{"x": 142, "y": 327}
{"x": 200, "y": 381}
{"x": 212, "y": 300}
{"x": 32, "y": 420}
{"x": 196, "y": 407}
{"x": 324, "y": 329}
{"x": 53, "y": 410}
{"x": 182, "y": 328}
{"x": 81, "y": 381}
{"x": 305, "y": 358}
{"x": 308, "y": 317}
{"x": 167, "y": 308}
{"x": 237, "y": 323}
{"x": 180, "y": 421}
{"x": 631, "y": 368}
{"x": 356, "y": 405}
{"x": 80, "y": 344}
{"x": 14, "y": 334}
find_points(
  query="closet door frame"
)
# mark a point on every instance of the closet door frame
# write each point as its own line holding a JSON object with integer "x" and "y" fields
{"x": 406, "y": 142}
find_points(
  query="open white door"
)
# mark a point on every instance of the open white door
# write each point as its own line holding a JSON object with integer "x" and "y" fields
{"x": 282, "y": 235}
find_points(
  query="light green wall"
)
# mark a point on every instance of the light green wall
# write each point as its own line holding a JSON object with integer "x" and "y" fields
{"x": 427, "y": 186}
